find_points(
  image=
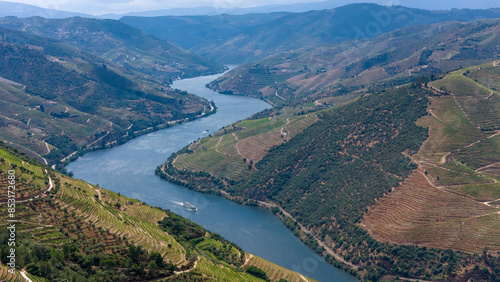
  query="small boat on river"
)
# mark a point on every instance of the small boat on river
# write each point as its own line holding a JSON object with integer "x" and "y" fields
{"x": 188, "y": 206}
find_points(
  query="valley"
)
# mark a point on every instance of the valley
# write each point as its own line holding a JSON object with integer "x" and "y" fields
{"x": 354, "y": 143}
{"x": 447, "y": 193}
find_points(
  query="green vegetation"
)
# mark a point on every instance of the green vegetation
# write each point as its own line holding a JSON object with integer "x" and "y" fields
{"x": 81, "y": 232}
{"x": 257, "y": 272}
{"x": 352, "y": 156}
{"x": 246, "y": 38}
{"x": 120, "y": 43}
{"x": 72, "y": 101}
{"x": 231, "y": 153}
{"x": 306, "y": 75}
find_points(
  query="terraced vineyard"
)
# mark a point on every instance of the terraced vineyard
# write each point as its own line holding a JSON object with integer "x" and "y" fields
{"x": 80, "y": 228}
{"x": 276, "y": 273}
{"x": 30, "y": 180}
{"x": 450, "y": 200}
{"x": 233, "y": 151}
{"x": 5, "y": 275}
{"x": 419, "y": 213}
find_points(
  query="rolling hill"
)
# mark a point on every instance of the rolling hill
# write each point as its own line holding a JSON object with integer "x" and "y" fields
{"x": 121, "y": 44}
{"x": 305, "y": 75}
{"x": 57, "y": 99}
{"x": 398, "y": 183}
{"x": 293, "y": 30}
{"x": 21, "y": 10}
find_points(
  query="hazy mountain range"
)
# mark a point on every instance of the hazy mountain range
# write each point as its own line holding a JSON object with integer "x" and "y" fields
{"x": 25, "y": 10}
{"x": 245, "y": 38}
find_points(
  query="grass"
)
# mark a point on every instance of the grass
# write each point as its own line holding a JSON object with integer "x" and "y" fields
{"x": 211, "y": 269}
{"x": 481, "y": 154}
{"x": 482, "y": 192}
{"x": 479, "y": 102}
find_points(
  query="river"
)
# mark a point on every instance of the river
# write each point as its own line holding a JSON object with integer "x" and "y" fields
{"x": 129, "y": 170}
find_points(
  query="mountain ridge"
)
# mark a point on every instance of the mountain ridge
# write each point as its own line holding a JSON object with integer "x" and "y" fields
{"x": 305, "y": 30}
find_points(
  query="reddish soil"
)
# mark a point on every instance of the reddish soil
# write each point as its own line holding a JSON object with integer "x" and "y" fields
{"x": 256, "y": 147}
{"x": 417, "y": 213}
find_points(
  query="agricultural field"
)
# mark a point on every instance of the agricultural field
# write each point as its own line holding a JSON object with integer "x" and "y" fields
{"x": 275, "y": 273}
{"x": 233, "y": 151}
{"x": 5, "y": 275}
{"x": 79, "y": 227}
{"x": 450, "y": 200}
{"x": 30, "y": 179}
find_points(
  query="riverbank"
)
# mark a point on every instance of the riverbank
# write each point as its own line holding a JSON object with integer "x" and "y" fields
{"x": 129, "y": 169}
{"x": 206, "y": 183}
{"x": 129, "y": 136}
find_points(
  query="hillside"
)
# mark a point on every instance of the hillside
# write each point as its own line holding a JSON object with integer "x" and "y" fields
{"x": 458, "y": 166}
{"x": 196, "y": 31}
{"x": 74, "y": 230}
{"x": 12, "y": 9}
{"x": 57, "y": 99}
{"x": 120, "y": 43}
{"x": 293, "y": 30}
{"x": 372, "y": 168}
{"x": 304, "y": 75}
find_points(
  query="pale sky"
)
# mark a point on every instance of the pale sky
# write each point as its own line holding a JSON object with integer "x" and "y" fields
{"x": 123, "y": 6}
{"x": 97, "y": 7}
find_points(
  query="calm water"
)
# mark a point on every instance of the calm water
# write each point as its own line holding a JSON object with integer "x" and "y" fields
{"x": 129, "y": 169}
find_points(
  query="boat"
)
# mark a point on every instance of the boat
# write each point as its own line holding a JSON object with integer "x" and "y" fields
{"x": 188, "y": 206}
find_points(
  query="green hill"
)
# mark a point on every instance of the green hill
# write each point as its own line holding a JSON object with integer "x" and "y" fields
{"x": 282, "y": 32}
{"x": 306, "y": 75}
{"x": 57, "y": 99}
{"x": 399, "y": 183}
{"x": 66, "y": 229}
{"x": 120, "y": 43}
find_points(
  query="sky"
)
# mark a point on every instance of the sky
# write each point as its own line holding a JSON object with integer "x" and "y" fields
{"x": 97, "y": 7}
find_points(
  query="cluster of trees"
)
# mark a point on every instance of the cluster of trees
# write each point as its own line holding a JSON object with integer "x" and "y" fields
{"x": 70, "y": 263}
{"x": 194, "y": 237}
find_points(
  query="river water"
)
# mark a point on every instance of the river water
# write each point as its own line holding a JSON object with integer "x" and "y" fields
{"x": 129, "y": 170}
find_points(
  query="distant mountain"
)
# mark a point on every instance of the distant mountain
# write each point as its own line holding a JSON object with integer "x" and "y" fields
{"x": 304, "y": 7}
{"x": 25, "y": 11}
{"x": 121, "y": 44}
{"x": 305, "y": 75}
{"x": 196, "y": 31}
{"x": 293, "y": 30}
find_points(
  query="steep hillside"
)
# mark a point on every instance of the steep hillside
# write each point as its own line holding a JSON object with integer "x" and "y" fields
{"x": 120, "y": 43}
{"x": 332, "y": 183}
{"x": 296, "y": 30}
{"x": 231, "y": 153}
{"x": 67, "y": 229}
{"x": 57, "y": 100}
{"x": 452, "y": 199}
{"x": 397, "y": 57}
{"x": 196, "y": 31}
